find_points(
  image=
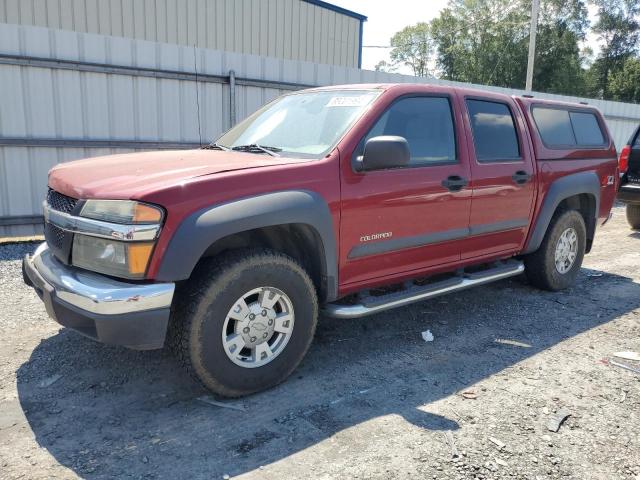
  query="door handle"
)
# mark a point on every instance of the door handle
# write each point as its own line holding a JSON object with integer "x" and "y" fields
{"x": 454, "y": 183}
{"x": 521, "y": 177}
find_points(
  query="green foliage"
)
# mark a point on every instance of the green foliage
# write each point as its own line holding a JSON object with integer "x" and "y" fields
{"x": 383, "y": 66}
{"x": 486, "y": 42}
{"x": 413, "y": 47}
{"x": 559, "y": 64}
{"x": 482, "y": 41}
{"x": 624, "y": 85}
{"x": 618, "y": 29}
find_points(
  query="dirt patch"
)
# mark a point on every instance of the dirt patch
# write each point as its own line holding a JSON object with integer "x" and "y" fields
{"x": 371, "y": 400}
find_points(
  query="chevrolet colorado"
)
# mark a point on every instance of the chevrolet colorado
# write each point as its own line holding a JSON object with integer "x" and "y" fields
{"x": 350, "y": 199}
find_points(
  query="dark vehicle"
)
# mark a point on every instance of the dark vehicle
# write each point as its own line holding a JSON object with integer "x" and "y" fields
{"x": 629, "y": 192}
{"x": 315, "y": 201}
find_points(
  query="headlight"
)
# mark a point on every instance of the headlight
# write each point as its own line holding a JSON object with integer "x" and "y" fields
{"x": 111, "y": 256}
{"x": 119, "y": 259}
{"x": 121, "y": 211}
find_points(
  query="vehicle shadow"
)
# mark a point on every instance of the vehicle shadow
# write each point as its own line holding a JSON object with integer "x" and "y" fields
{"x": 115, "y": 412}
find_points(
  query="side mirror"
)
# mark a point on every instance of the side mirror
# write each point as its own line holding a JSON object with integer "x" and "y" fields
{"x": 385, "y": 151}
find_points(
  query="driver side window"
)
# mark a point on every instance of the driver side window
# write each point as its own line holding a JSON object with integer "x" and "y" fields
{"x": 427, "y": 125}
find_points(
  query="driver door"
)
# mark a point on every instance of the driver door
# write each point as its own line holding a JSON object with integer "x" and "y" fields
{"x": 402, "y": 221}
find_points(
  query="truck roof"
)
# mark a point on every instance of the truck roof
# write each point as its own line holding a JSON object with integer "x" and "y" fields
{"x": 526, "y": 104}
{"x": 526, "y": 100}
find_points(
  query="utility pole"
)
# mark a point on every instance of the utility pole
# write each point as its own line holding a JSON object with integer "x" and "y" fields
{"x": 535, "y": 6}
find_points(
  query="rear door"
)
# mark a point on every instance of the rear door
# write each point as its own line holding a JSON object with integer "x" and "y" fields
{"x": 502, "y": 174}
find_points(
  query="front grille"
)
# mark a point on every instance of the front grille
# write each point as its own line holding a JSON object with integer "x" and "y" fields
{"x": 55, "y": 236}
{"x": 60, "y": 242}
{"x": 60, "y": 202}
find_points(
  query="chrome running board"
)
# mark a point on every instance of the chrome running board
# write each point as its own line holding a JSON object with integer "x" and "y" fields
{"x": 374, "y": 304}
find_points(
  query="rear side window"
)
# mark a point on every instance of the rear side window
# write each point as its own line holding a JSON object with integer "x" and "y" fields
{"x": 427, "y": 125}
{"x": 564, "y": 128}
{"x": 586, "y": 128}
{"x": 554, "y": 126}
{"x": 494, "y": 131}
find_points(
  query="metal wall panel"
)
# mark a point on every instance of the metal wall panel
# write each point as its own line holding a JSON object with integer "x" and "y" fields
{"x": 23, "y": 181}
{"x": 77, "y": 106}
{"x": 290, "y": 29}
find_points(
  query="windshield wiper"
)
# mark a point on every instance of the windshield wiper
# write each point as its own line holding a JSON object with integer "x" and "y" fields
{"x": 255, "y": 148}
{"x": 215, "y": 146}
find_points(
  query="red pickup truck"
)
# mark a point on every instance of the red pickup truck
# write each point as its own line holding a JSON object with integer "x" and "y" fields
{"x": 350, "y": 199}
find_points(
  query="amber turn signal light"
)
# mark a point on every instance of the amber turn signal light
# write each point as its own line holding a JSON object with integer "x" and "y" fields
{"x": 146, "y": 214}
{"x": 139, "y": 254}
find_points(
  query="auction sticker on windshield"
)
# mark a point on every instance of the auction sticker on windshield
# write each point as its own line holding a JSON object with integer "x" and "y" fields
{"x": 353, "y": 101}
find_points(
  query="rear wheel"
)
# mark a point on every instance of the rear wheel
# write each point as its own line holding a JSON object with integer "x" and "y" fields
{"x": 633, "y": 216}
{"x": 555, "y": 265}
{"x": 244, "y": 322}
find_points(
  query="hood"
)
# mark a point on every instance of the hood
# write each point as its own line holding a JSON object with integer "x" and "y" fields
{"x": 135, "y": 174}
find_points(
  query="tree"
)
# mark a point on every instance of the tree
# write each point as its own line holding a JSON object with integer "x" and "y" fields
{"x": 618, "y": 29}
{"x": 486, "y": 42}
{"x": 482, "y": 41}
{"x": 451, "y": 58}
{"x": 384, "y": 66}
{"x": 413, "y": 47}
{"x": 624, "y": 85}
{"x": 559, "y": 61}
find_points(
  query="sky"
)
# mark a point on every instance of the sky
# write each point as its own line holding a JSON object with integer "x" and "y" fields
{"x": 386, "y": 17}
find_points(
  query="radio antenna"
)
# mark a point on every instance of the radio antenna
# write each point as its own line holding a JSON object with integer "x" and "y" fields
{"x": 195, "y": 67}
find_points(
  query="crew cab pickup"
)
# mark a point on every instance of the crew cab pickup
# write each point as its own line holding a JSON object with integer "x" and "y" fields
{"x": 629, "y": 192}
{"x": 348, "y": 200}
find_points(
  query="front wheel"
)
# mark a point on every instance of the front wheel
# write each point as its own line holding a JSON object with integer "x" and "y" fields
{"x": 245, "y": 321}
{"x": 555, "y": 265}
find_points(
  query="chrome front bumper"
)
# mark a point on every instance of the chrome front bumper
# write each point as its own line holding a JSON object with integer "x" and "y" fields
{"x": 111, "y": 311}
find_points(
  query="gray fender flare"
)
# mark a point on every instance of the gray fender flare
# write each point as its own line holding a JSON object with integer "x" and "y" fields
{"x": 561, "y": 189}
{"x": 197, "y": 232}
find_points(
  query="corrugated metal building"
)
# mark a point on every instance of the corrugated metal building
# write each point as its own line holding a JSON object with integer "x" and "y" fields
{"x": 66, "y": 95}
{"x": 307, "y": 30}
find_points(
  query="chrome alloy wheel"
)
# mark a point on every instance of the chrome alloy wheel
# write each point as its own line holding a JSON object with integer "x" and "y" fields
{"x": 566, "y": 250}
{"x": 258, "y": 327}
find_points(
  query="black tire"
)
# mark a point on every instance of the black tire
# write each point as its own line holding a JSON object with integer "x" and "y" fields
{"x": 203, "y": 303}
{"x": 633, "y": 216}
{"x": 540, "y": 266}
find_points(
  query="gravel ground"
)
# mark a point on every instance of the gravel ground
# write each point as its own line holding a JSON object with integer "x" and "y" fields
{"x": 371, "y": 400}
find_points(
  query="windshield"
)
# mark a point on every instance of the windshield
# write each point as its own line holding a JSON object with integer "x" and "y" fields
{"x": 304, "y": 124}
